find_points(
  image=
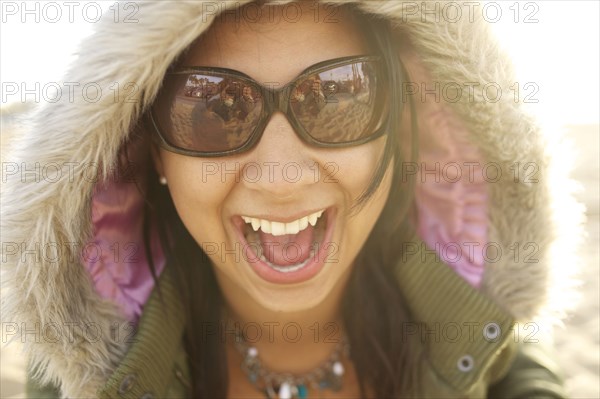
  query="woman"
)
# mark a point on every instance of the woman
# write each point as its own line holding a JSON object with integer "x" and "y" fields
{"x": 300, "y": 252}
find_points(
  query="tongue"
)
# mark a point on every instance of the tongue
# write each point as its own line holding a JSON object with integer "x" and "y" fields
{"x": 288, "y": 249}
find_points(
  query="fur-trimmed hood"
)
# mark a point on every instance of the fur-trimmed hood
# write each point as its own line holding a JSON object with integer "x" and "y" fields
{"x": 63, "y": 206}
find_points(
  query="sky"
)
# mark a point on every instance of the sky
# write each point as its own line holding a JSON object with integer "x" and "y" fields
{"x": 554, "y": 45}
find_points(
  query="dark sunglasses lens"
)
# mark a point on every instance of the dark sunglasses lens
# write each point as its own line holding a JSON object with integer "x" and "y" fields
{"x": 339, "y": 105}
{"x": 207, "y": 112}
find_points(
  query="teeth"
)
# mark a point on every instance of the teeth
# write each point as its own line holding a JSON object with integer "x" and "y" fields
{"x": 292, "y": 227}
{"x": 279, "y": 229}
{"x": 302, "y": 223}
{"x": 289, "y": 269}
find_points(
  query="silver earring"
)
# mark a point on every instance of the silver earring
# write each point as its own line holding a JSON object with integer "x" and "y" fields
{"x": 163, "y": 180}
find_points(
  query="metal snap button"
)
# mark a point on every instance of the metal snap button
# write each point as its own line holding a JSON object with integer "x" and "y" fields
{"x": 181, "y": 377}
{"x": 127, "y": 383}
{"x": 465, "y": 363}
{"x": 178, "y": 373}
{"x": 491, "y": 332}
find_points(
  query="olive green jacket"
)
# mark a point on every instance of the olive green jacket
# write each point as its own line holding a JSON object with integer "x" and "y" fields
{"x": 469, "y": 346}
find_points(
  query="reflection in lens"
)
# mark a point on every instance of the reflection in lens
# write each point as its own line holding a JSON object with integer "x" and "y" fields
{"x": 338, "y": 105}
{"x": 204, "y": 112}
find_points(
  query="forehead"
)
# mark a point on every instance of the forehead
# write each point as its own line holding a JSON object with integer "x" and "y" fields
{"x": 276, "y": 48}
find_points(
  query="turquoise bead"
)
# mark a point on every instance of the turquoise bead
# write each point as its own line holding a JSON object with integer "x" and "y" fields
{"x": 302, "y": 392}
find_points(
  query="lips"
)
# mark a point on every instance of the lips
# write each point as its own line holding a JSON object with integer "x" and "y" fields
{"x": 279, "y": 255}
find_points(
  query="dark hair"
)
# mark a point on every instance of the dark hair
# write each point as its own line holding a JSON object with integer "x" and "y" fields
{"x": 373, "y": 308}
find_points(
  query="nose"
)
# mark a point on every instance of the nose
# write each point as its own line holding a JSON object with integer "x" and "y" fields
{"x": 281, "y": 165}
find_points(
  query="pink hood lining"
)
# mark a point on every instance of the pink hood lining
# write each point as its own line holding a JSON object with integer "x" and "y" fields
{"x": 118, "y": 264}
{"x": 451, "y": 200}
{"x": 452, "y": 215}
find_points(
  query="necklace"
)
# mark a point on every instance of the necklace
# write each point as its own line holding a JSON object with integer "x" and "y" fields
{"x": 286, "y": 385}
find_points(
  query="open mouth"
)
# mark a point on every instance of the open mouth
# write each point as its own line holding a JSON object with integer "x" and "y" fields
{"x": 286, "y": 252}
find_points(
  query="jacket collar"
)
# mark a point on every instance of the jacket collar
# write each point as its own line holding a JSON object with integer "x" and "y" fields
{"x": 459, "y": 328}
{"x": 147, "y": 368}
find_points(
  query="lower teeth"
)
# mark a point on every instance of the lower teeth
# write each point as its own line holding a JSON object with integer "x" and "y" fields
{"x": 288, "y": 269}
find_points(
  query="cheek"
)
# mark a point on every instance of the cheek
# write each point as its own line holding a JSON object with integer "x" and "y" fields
{"x": 198, "y": 193}
{"x": 354, "y": 170}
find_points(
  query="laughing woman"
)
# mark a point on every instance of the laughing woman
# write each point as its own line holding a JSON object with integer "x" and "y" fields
{"x": 292, "y": 200}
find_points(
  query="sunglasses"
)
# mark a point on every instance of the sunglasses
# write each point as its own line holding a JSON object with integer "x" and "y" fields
{"x": 211, "y": 112}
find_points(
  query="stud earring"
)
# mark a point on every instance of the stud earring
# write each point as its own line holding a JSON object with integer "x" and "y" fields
{"x": 163, "y": 180}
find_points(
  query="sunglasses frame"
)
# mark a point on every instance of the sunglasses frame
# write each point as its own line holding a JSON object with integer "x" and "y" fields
{"x": 279, "y": 100}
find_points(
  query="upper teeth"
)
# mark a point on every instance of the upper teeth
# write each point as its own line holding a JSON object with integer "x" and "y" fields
{"x": 279, "y": 228}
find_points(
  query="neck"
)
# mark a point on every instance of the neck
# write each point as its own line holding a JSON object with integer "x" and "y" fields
{"x": 294, "y": 342}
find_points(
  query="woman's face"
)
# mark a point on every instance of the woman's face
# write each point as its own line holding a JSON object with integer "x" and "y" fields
{"x": 282, "y": 179}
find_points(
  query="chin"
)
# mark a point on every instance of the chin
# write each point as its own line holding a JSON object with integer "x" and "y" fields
{"x": 292, "y": 300}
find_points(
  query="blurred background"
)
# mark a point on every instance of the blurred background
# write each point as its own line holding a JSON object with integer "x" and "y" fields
{"x": 555, "y": 47}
